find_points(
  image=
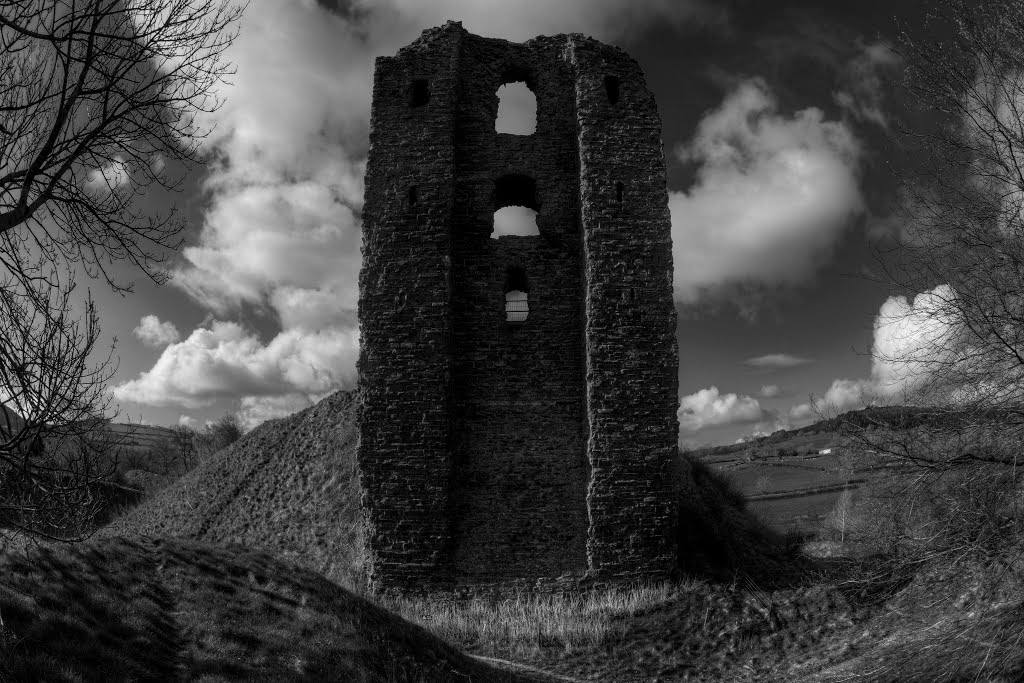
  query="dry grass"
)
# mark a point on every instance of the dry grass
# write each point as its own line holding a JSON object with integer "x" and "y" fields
{"x": 693, "y": 630}
{"x": 525, "y": 623}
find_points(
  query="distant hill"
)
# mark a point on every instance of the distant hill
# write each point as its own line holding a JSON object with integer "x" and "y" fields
{"x": 287, "y": 487}
{"x": 886, "y": 417}
{"x": 131, "y": 435}
{"x": 144, "y": 436}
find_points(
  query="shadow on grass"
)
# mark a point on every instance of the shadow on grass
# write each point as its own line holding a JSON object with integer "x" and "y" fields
{"x": 99, "y": 608}
{"x": 720, "y": 539}
{"x": 162, "y": 610}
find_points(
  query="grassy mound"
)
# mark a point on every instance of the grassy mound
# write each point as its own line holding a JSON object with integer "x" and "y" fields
{"x": 288, "y": 487}
{"x": 720, "y": 539}
{"x": 925, "y": 585}
{"x": 119, "y": 609}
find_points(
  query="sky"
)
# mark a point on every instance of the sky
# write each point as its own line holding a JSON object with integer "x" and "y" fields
{"x": 781, "y": 125}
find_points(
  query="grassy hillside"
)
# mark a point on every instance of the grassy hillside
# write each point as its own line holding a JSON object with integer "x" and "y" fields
{"x": 120, "y": 610}
{"x": 117, "y": 609}
{"x": 825, "y": 433}
{"x": 918, "y": 577}
{"x": 288, "y": 487}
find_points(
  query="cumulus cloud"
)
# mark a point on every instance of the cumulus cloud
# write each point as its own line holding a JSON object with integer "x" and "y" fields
{"x": 152, "y": 332}
{"x": 841, "y": 396}
{"x": 708, "y": 408}
{"x": 282, "y": 228}
{"x": 292, "y": 135}
{"x": 258, "y": 409}
{"x": 776, "y": 361}
{"x": 770, "y": 391}
{"x": 226, "y": 361}
{"x": 259, "y": 240}
{"x": 188, "y": 421}
{"x": 912, "y": 338}
{"x": 772, "y": 194}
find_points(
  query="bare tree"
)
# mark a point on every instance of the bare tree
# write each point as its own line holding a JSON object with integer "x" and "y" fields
{"x": 963, "y": 234}
{"x": 185, "y": 447}
{"x": 950, "y": 459}
{"x": 100, "y": 101}
{"x": 219, "y": 435}
{"x": 960, "y": 353}
{"x": 173, "y": 456}
{"x": 54, "y": 450}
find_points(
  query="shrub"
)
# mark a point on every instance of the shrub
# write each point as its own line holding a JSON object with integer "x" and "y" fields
{"x": 218, "y": 435}
{"x": 971, "y": 511}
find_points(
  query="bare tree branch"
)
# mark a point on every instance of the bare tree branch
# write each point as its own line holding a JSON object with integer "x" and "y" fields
{"x": 962, "y": 208}
{"x": 99, "y": 100}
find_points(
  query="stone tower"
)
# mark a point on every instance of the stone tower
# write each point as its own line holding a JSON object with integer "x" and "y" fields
{"x": 499, "y": 446}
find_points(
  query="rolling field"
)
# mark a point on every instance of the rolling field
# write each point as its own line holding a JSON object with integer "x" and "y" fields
{"x": 797, "y": 489}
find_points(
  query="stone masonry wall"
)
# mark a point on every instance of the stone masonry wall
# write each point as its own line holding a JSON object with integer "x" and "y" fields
{"x": 518, "y": 390}
{"x": 493, "y": 452}
{"x": 632, "y": 356}
{"x": 405, "y": 315}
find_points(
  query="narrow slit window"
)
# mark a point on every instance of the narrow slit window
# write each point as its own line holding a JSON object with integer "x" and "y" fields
{"x": 420, "y": 92}
{"x": 413, "y": 195}
{"x": 517, "y": 296}
{"x": 611, "y": 86}
{"x": 517, "y": 306}
{"x": 618, "y": 192}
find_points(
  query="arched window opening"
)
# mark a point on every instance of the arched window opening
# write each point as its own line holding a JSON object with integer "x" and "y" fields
{"x": 516, "y": 190}
{"x": 517, "y": 109}
{"x": 420, "y": 92}
{"x": 413, "y": 195}
{"x": 618, "y": 192}
{"x": 517, "y": 296}
{"x": 515, "y": 220}
{"x": 611, "y": 86}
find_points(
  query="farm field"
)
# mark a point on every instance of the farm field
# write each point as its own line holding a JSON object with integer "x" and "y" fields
{"x": 796, "y": 492}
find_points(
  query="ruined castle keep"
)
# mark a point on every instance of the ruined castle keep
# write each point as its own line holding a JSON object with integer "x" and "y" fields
{"x": 507, "y": 438}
